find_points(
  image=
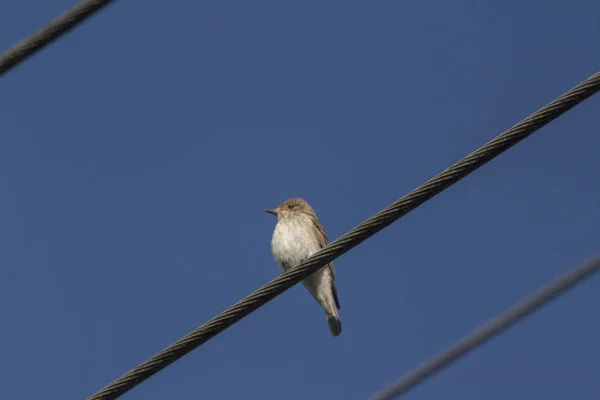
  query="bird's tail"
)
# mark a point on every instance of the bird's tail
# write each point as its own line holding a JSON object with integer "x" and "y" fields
{"x": 335, "y": 325}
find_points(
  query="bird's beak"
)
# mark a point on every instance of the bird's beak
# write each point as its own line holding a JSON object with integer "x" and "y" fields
{"x": 274, "y": 212}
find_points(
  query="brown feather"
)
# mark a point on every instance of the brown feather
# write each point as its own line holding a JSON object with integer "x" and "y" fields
{"x": 322, "y": 240}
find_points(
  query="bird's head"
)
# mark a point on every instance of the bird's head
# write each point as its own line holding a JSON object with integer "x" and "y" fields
{"x": 291, "y": 207}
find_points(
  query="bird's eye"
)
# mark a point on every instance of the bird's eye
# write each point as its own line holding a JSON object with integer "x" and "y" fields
{"x": 291, "y": 206}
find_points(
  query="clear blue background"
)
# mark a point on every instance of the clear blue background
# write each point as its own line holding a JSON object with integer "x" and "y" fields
{"x": 138, "y": 153}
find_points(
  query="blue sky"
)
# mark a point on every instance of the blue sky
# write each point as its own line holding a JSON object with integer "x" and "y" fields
{"x": 138, "y": 153}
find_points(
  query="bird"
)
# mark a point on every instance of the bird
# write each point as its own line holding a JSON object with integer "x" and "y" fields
{"x": 298, "y": 234}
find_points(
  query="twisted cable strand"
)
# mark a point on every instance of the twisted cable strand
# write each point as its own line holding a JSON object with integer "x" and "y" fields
{"x": 351, "y": 239}
{"x": 55, "y": 29}
{"x": 491, "y": 329}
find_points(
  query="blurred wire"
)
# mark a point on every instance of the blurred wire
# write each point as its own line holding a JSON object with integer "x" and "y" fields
{"x": 54, "y": 30}
{"x": 494, "y": 327}
{"x": 351, "y": 239}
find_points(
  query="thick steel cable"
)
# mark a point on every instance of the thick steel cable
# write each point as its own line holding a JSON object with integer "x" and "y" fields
{"x": 351, "y": 239}
{"x": 494, "y": 327}
{"x": 55, "y": 29}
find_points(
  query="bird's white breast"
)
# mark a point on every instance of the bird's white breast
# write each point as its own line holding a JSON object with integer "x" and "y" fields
{"x": 293, "y": 241}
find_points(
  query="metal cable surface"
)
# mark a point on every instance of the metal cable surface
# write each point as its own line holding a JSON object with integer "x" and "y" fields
{"x": 496, "y": 326}
{"x": 351, "y": 239}
{"x": 55, "y": 29}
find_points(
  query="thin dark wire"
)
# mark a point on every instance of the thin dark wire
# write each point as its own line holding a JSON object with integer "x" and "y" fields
{"x": 55, "y": 29}
{"x": 346, "y": 242}
{"x": 494, "y": 327}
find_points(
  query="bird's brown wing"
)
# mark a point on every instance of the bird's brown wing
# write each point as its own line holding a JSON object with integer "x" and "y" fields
{"x": 322, "y": 241}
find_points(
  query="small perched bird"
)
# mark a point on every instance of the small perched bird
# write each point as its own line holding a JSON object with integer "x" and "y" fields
{"x": 298, "y": 235}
